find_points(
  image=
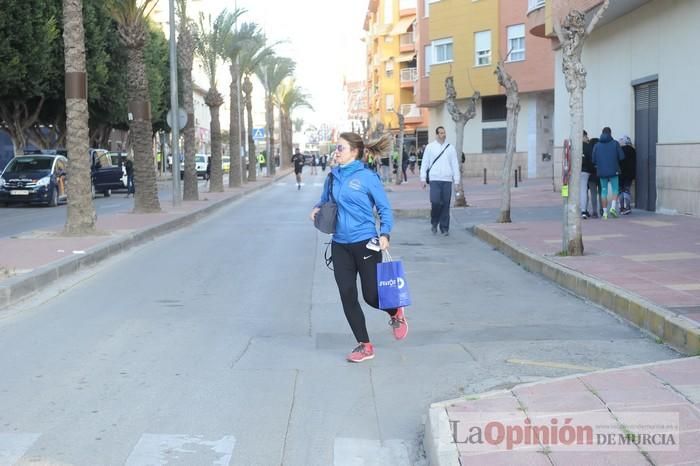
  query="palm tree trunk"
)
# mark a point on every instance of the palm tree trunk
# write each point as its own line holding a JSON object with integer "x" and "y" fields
{"x": 81, "y": 215}
{"x": 185, "y": 56}
{"x": 146, "y": 195}
{"x": 214, "y": 100}
{"x": 234, "y": 174}
{"x": 252, "y": 162}
{"x": 270, "y": 116}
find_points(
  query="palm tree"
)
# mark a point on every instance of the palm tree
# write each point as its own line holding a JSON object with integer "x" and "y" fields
{"x": 273, "y": 71}
{"x": 210, "y": 48}
{"x": 289, "y": 97}
{"x": 81, "y": 216}
{"x": 234, "y": 46}
{"x": 185, "y": 57}
{"x": 251, "y": 56}
{"x": 130, "y": 16}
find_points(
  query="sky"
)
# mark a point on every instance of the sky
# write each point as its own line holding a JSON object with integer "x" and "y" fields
{"x": 322, "y": 36}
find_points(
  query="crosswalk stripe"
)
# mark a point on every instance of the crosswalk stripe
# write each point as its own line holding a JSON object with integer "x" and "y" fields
{"x": 13, "y": 446}
{"x": 161, "y": 449}
{"x": 365, "y": 452}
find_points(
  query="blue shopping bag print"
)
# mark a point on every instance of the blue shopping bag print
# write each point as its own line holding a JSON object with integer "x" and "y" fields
{"x": 392, "y": 285}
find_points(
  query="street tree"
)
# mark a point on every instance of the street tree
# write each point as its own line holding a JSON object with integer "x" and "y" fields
{"x": 513, "y": 108}
{"x": 30, "y": 53}
{"x": 290, "y": 97}
{"x": 460, "y": 118}
{"x": 251, "y": 56}
{"x": 273, "y": 71}
{"x": 572, "y": 33}
{"x": 185, "y": 57}
{"x": 402, "y": 130}
{"x": 298, "y": 124}
{"x": 236, "y": 41}
{"x": 211, "y": 38}
{"x": 131, "y": 17}
{"x": 81, "y": 216}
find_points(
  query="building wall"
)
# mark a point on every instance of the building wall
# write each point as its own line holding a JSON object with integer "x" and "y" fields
{"x": 655, "y": 39}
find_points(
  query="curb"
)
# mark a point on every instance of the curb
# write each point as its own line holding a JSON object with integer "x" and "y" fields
{"x": 673, "y": 329}
{"x": 15, "y": 289}
{"x": 438, "y": 443}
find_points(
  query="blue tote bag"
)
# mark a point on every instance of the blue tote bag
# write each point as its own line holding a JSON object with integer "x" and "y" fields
{"x": 392, "y": 285}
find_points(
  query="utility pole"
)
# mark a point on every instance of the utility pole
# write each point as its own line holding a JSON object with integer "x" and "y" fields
{"x": 174, "y": 108}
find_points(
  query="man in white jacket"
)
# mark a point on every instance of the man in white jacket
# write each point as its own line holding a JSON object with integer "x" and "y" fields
{"x": 440, "y": 169}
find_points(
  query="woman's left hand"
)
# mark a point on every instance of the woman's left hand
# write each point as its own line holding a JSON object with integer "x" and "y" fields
{"x": 383, "y": 243}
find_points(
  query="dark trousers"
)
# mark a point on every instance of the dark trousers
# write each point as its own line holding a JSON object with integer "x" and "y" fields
{"x": 349, "y": 260}
{"x": 130, "y": 184}
{"x": 440, "y": 197}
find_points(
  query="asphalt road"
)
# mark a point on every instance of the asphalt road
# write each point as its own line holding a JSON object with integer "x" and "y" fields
{"x": 22, "y": 218}
{"x": 224, "y": 343}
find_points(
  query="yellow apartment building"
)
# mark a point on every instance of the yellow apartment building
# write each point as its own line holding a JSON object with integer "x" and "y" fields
{"x": 392, "y": 67}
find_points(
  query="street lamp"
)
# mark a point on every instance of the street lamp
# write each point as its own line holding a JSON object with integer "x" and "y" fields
{"x": 174, "y": 106}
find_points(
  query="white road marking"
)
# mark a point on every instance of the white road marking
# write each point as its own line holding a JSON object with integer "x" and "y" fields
{"x": 14, "y": 446}
{"x": 160, "y": 449}
{"x": 365, "y": 452}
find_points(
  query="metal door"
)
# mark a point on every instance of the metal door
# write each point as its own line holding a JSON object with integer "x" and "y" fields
{"x": 646, "y": 118}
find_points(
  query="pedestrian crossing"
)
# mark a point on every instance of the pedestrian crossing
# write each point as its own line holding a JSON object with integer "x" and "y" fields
{"x": 153, "y": 449}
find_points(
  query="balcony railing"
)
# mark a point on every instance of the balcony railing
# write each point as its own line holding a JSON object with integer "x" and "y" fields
{"x": 533, "y": 5}
{"x": 410, "y": 111}
{"x": 409, "y": 75}
{"x": 407, "y": 38}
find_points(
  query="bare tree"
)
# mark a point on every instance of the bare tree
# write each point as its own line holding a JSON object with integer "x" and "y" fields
{"x": 399, "y": 161}
{"x": 460, "y": 118}
{"x": 81, "y": 216}
{"x": 572, "y": 34}
{"x": 513, "y": 108}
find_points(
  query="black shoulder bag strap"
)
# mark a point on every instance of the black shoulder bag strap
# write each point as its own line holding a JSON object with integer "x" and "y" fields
{"x": 439, "y": 155}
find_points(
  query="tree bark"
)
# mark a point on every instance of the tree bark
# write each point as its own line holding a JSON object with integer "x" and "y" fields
{"x": 234, "y": 174}
{"x": 185, "y": 57}
{"x": 460, "y": 118}
{"x": 81, "y": 217}
{"x": 252, "y": 161}
{"x": 270, "y": 117}
{"x": 146, "y": 190}
{"x": 214, "y": 101}
{"x": 513, "y": 109}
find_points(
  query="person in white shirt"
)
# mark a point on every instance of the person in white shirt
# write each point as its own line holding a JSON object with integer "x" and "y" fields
{"x": 440, "y": 169}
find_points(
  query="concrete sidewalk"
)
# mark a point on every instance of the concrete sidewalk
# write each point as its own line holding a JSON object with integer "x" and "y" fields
{"x": 644, "y": 266}
{"x": 31, "y": 261}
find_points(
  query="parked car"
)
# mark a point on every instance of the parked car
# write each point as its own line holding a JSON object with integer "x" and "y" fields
{"x": 105, "y": 176}
{"x": 34, "y": 179}
{"x": 119, "y": 160}
{"x": 200, "y": 163}
{"x": 226, "y": 163}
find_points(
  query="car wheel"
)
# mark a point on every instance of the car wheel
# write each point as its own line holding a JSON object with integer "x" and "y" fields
{"x": 53, "y": 200}
{"x": 107, "y": 192}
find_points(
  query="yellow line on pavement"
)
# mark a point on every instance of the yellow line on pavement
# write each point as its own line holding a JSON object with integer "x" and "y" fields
{"x": 668, "y": 256}
{"x": 554, "y": 365}
{"x": 685, "y": 287}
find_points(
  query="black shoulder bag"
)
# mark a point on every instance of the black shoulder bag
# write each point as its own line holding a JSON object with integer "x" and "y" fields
{"x": 427, "y": 172}
{"x": 327, "y": 215}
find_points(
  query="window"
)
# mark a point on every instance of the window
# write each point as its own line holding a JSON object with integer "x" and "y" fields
{"x": 493, "y": 108}
{"x": 388, "y": 11}
{"x": 426, "y": 59}
{"x": 407, "y": 4}
{"x": 389, "y": 68}
{"x": 442, "y": 51}
{"x": 493, "y": 139}
{"x": 390, "y": 103}
{"x": 427, "y": 7}
{"x": 482, "y": 48}
{"x": 516, "y": 42}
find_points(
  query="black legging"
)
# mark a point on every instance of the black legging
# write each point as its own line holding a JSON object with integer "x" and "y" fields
{"x": 349, "y": 260}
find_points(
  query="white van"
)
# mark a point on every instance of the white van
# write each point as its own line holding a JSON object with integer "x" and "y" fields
{"x": 200, "y": 163}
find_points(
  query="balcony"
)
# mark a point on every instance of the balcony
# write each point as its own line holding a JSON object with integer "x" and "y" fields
{"x": 410, "y": 111}
{"x": 407, "y": 42}
{"x": 536, "y": 17}
{"x": 533, "y": 5}
{"x": 408, "y": 77}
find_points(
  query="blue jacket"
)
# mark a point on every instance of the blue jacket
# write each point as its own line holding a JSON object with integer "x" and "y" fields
{"x": 357, "y": 190}
{"x": 607, "y": 154}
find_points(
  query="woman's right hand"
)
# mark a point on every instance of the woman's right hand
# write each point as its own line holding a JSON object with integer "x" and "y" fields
{"x": 314, "y": 211}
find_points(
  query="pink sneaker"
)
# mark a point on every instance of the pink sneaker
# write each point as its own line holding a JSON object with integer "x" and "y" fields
{"x": 399, "y": 325}
{"x": 363, "y": 352}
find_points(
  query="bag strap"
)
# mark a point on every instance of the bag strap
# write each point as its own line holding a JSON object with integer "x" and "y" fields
{"x": 439, "y": 155}
{"x": 330, "y": 186}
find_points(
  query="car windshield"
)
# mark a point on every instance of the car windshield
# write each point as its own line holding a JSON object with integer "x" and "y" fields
{"x": 29, "y": 164}
{"x": 200, "y": 159}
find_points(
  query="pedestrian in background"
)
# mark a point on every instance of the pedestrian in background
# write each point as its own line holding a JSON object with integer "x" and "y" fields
{"x": 298, "y": 161}
{"x": 628, "y": 172}
{"x": 129, "y": 167}
{"x": 441, "y": 168}
{"x": 355, "y": 249}
{"x": 588, "y": 171}
{"x": 607, "y": 155}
